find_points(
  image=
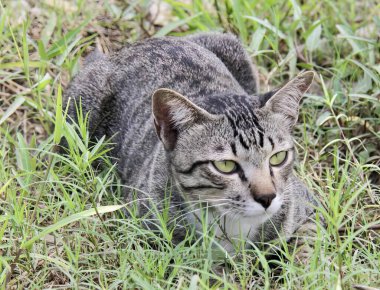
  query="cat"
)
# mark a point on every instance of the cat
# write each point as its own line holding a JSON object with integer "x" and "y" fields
{"x": 185, "y": 117}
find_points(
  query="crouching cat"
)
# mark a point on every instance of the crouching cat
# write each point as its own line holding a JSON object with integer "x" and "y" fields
{"x": 186, "y": 118}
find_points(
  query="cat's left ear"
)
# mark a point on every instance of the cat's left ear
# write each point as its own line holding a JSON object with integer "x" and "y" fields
{"x": 287, "y": 99}
{"x": 173, "y": 113}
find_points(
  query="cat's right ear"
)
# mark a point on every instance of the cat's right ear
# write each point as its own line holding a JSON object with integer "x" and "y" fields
{"x": 172, "y": 113}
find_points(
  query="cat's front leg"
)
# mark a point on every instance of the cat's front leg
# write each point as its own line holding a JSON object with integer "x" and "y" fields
{"x": 302, "y": 242}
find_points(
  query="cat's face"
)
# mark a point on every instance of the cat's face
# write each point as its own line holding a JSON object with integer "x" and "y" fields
{"x": 231, "y": 173}
{"x": 238, "y": 162}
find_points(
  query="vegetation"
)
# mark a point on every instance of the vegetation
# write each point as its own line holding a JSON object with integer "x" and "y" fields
{"x": 61, "y": 223}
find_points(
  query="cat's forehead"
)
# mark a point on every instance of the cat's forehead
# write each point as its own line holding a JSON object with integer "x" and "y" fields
{"x": 255, "y": 131}
{"x": 245, "y": 124}
{"x": 220, "y": 104}
{"x": 239, "y": 111}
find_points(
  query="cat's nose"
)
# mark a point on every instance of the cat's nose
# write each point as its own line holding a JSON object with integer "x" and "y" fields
{"x": 265, "y": 199}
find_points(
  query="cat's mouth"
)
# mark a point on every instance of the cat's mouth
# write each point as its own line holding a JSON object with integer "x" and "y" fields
{"x": 253, "y": 209}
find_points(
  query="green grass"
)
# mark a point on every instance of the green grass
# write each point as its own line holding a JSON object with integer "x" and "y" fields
{"x": 60, "y": 225}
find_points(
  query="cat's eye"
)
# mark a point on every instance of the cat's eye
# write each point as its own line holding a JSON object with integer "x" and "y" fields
{"x": 278, "y": 158}
{"x": 225, "y": 166}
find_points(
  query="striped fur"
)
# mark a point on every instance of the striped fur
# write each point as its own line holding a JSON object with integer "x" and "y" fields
{"x": 205, "y": 107}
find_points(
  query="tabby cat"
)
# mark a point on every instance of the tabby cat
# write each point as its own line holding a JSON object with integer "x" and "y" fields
{"x": 186, "y": 117}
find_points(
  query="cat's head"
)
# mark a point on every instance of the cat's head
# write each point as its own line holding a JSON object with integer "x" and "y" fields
{"x": 238, "y": 160}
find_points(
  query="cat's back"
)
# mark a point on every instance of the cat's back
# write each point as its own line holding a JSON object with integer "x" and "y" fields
{"x": 170, "y": 62}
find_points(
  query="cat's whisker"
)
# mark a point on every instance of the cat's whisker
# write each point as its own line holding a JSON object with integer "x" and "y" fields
{"x": 199, "y": 210}
{"x": 224, "y": 214}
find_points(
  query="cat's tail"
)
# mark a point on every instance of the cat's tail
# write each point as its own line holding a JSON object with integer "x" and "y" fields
{"x": 90, "y": 92}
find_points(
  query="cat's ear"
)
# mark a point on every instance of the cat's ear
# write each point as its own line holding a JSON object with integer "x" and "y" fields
{"x": 286, "y": 100}
{"x": 172, "y": 113}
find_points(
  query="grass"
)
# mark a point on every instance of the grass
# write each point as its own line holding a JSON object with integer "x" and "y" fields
{"x": 60, "y": 223}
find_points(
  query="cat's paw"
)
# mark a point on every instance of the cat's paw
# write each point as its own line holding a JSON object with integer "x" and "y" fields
{"x": 303, "y": 254}
{"x": 302, "y": 243}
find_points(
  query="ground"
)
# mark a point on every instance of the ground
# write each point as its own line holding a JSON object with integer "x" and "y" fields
{"x": 60, "y": 223}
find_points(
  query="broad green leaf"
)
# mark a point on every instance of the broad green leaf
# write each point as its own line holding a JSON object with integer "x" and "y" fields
{"x": 68, "y": 220}
{"x": 314, "y": 39}
{"x": 48, "y": 30}
{"x": 347, "y": 33}
{"x": 58, "y": 117}
{"x": 323, "y": 118}
{"x": 18, "y": 64}
{"x": 297, "y": 12}
{"x": 366, "y": 70}
{"x": 173, "y": 25}
{"x": 257, "y": 39}
{"x": 267, "y": 25}
{"x": 25, "y": 51}
{"x": 237, "y": 13}
{"x": 12, "y": 108}
{"x": 59, "y": 46}
{"x": 194, "y": 282}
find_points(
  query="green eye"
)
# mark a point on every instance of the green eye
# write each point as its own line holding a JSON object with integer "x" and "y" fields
{"x": 225, "y": 166}
{"x": 278, "y": 158}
